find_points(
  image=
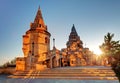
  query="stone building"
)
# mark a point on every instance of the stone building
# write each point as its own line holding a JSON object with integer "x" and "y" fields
{"x": 36, "y": 45}
{"x": 74, "y": 54}
{"x": 37, "y": 53}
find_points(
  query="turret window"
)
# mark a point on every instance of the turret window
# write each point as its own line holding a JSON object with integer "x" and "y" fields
{"x": 46, "y": 40}
{"x": 33, "y": 49}
{"x": 39, "y": 25}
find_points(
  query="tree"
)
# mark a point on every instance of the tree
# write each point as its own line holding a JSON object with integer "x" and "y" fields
{"x": 110, "y": 48}
{"x": 11, "y": 63}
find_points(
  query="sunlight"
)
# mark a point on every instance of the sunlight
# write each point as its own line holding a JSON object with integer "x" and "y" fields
{"x": 97, "y": 51}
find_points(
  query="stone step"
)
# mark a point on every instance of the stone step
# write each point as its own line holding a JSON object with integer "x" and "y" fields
{"x": 82, "y": 75}
{"x": 75, "y": 75}
{"x": 64, "y": 74}
{"x": 78, "y": 71}
{"x": 108, "y": 73}
{"x": 71, "y": 78}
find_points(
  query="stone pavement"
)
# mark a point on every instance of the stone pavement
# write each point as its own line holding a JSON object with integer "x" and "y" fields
{"x": 30, "y": 80}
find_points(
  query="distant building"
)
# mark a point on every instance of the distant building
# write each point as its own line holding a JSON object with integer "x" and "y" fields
{"x": 37, "y": 53}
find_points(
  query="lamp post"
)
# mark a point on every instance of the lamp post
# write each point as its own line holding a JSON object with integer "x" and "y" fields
{"x": 53, "y": 42}
{"x": 51, "y": 60}
{"x": 60, "y": 58}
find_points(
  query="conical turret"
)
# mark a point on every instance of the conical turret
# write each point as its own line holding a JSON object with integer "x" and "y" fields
{"x": 38, "y": 21}
{"x": 38, "y": 16}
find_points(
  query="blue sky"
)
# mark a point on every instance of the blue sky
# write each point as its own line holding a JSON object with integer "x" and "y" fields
{"x": 92, "y": 19}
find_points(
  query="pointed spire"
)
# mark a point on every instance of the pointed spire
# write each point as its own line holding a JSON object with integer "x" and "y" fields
{"x": 73, "y": 37}
{"x": 73, "y": 30}
{"x": 38, "y": 16}
{"x": 39, "y": 7}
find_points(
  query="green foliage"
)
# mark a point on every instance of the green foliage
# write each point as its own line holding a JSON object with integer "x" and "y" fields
{"x": 110, "y": 47}
{"x": 9, "y": 64}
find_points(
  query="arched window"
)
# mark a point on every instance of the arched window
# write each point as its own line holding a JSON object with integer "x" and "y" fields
{"x": 72, "y": 62}
{"x": 33, "y": 49}
{"x": 46, "y": 40}
{"x": 39, "y": 25}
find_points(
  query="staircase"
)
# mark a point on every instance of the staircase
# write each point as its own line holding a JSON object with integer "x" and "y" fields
{"x": 80, "y": 73}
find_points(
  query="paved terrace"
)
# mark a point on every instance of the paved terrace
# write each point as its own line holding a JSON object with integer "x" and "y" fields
{"x": 32, "y": 80}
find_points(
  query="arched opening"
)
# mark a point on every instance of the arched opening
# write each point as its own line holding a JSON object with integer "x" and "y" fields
{"x": 33, "y": 49}
{"x": 46, "y": 40}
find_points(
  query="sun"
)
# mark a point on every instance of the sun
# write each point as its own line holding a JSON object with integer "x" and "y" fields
{"x": 97, "y": 51}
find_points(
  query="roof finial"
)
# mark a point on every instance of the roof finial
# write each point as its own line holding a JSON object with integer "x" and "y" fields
{"x": 73, "y": 25}
{"x": 73, "y": 28}
{"x": 39, "y": 7}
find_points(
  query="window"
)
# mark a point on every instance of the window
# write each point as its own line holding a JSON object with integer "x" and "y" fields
{"x": 72, "y": 62}
{"x": 39, "y": 25}
{"x": 46, "y": 40}
{"x": 33, "y": 49}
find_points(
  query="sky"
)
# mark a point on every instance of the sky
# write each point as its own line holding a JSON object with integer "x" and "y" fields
{"x": 92, "y": 19}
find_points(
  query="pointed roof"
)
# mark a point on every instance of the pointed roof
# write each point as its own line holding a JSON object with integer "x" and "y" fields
{"x": 73, "y": 30}
{"x": 38, "y": 16}
{"x": 73, "y": 37}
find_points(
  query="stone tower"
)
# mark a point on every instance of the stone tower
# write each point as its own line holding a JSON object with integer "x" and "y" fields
{"x": 36, "y": 41}
{"x": 74, "y": 39}
{"x": 74, "y": 51}
{"x": 36, "y": 44}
